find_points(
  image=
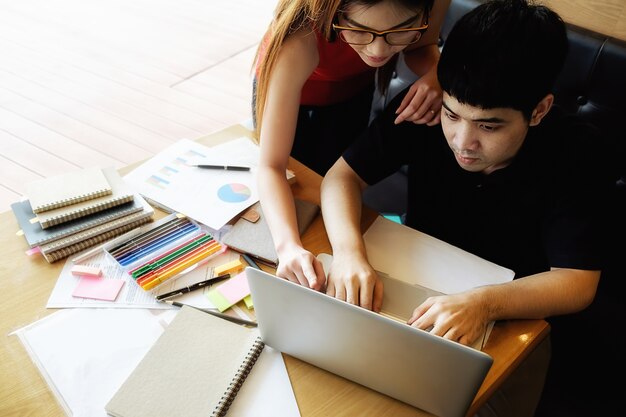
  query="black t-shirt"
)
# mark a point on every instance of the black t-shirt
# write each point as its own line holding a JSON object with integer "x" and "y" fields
{"x": 544, "y": 210}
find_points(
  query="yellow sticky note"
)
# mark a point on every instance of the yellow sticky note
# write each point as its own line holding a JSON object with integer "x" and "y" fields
{"x": 248, "y": 301}
{"x": 232, "y": 268}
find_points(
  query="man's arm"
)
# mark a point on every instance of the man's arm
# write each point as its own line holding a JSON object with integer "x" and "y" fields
{"x": 350, "y": 278}
{"x": 462, "y": 317}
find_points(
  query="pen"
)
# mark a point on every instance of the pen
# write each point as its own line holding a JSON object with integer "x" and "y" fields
{"x": 224, "y": 167}
{"x": 191, "y": 287}
{"x": 249, "y": 261}
{"x": 216, "y": 314}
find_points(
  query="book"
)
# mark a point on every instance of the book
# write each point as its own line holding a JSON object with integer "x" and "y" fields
{"x": 35, "y": 235}
{"x": 67, "y": 189}
{"x": 121, "y": 193}
{"x": 194, "y": 369}
{"x": 62, "y": 253}
{"x": 94, "y": 231}
{"x": 255, "y": 238}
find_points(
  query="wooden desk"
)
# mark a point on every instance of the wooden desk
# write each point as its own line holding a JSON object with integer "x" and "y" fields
{"x": 26, "y": 283}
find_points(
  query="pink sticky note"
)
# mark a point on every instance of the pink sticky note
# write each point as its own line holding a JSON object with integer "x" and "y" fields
{"x": 235, "y": 289}
{"x": 98, "y": 288}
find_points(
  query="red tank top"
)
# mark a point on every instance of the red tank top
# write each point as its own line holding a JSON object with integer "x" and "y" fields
{"x": 339, "y": 76}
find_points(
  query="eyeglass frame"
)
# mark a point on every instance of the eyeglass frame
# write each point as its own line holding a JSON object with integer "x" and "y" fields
{"x": 375, "y": 34}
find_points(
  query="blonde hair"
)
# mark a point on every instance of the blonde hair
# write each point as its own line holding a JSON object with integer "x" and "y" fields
{"x": 289, "y": 17}
{"x": 293, "y": 15}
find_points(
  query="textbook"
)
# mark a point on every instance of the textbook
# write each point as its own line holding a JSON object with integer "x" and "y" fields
{"x": 67, "y": 189}
{"x": 194, "y": 369}
{"x": 121, "y": 193}
{"x": 255, "y": 239}
{"x": 35, "y": 235}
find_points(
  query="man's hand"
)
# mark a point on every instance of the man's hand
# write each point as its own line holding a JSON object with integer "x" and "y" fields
{"x": 356, "y": 282}
{"x": 460, "y": 317}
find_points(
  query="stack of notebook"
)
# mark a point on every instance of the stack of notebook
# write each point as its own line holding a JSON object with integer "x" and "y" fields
{"x": 72, "y": 212}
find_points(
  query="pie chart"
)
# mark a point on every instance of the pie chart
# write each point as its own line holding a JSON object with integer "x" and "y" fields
{"x": 234, "y": 193}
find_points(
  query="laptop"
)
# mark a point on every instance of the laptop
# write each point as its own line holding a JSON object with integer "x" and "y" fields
{"x": 375, "y": 350}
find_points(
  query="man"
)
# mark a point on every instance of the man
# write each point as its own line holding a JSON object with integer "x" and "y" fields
{"x": 506, "y": 176}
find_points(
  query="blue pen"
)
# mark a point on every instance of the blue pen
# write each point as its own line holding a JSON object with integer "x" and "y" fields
{"x": 159, "y": 243}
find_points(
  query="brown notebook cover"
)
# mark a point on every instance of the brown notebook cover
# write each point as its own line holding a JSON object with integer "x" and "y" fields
{"x": 255, "y": 239}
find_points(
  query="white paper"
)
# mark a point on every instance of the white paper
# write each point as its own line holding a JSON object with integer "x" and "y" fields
{"x": 131, "y": 294}
{"x": 209, "y": 196}
{"x": 417, "y": 258}
{"x": 86, "y": 354}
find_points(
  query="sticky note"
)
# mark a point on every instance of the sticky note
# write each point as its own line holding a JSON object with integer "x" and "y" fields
{"x": 230, "y": 292}
{"x": 98, "y": 288}
{"x": 231, "y": 267}
{"x": 248, "y": 300}
{"x": 33, "y": 251}
{"x": 84, "y": 270}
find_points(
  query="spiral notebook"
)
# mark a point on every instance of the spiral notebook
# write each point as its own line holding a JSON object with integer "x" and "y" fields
{"x": 58, "y": 254}
{"x": 36, "y": 236}
{"x": 194, "y": 369}
{"x": 121, "y": 193}
{"x": 67, "y": 189}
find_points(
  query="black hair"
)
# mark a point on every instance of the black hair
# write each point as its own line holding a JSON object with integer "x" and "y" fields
{"x": 503, "y": 53}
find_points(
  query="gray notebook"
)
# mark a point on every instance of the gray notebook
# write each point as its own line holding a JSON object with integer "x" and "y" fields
{"x": 256, "y": 240}
{"x": 35, "y": 235}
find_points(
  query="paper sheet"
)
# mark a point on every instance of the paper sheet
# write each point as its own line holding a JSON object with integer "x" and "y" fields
{"x": 131, "y": 295}
{"x": 86, "y": 354}
{"x": 209, "y": 196}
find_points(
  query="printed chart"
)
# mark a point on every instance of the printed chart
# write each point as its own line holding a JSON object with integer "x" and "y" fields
{"x": 210, "y": 196}
{"x": 234, "y": 193}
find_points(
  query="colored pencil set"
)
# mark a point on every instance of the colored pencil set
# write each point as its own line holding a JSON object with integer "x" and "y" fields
{"x": 165, "y": 251}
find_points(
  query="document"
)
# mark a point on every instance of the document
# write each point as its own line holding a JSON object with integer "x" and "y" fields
{"x": 131, "y": 294}
{"x": 86, "y": 354}
{"x": 210, "y": 196}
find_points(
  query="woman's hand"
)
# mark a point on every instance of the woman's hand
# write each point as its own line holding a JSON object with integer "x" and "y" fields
{"x": 422, "y": 103}
{"x": 298, "y": 265}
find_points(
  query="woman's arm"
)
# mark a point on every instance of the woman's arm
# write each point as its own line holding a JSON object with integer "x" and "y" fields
{"x": 297, "y": 60}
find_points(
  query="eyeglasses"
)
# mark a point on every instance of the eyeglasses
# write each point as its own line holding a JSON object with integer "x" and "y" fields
{"x": 394, "y": 37}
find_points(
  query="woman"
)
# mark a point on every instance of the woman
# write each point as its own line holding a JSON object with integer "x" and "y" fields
{"x": 313, "y": 92}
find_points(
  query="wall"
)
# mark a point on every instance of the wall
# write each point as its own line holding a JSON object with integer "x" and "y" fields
{"x": 604, "y": 16}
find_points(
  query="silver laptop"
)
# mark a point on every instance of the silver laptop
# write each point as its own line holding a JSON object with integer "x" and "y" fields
{"x": 375, "y": 350}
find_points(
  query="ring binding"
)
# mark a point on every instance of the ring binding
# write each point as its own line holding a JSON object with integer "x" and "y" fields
{"x": 242, "y": 373}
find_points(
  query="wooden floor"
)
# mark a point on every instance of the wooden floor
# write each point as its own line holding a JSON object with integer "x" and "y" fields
{"x": 110, "y": 82}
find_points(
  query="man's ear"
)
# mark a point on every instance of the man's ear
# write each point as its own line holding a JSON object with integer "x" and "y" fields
{"x": 542, "y": 108}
